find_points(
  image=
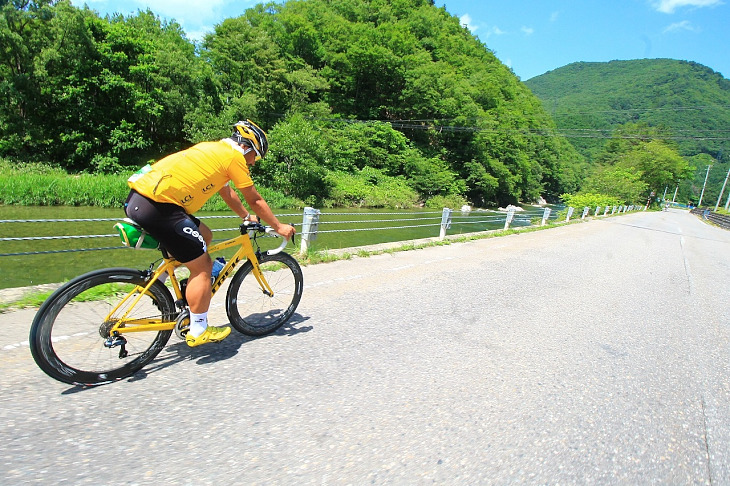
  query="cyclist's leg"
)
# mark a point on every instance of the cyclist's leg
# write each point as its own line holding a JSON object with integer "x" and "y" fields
{"x": 198, "y": 291}
{"x": 198, "y": 296}
{"x": 187, "y": 239}
{"x": 206, "y": 232}
{"x": 190, "y": 240}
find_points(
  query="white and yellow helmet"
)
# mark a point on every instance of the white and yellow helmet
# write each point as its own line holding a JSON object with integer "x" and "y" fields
{"x": 249, "y": 133}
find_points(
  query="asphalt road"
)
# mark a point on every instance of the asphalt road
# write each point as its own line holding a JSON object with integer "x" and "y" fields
{"x": 594, "y": 353}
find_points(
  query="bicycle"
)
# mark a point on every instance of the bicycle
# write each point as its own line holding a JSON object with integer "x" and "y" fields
{"x": 108, "y": 324}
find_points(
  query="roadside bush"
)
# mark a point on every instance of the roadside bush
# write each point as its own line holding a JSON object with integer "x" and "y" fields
{"x": 439, "y": 202}
{"x": 591, "y": 200}
{"x": 369, "y": 187}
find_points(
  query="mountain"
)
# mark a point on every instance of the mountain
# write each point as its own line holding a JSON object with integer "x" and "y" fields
{"x": 689, "y": 99}
{"x": 688, "y": 102}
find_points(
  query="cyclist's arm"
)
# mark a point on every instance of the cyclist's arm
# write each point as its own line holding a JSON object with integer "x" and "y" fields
{"x": 261, "y": 208}
{"x": 233, "y": 201}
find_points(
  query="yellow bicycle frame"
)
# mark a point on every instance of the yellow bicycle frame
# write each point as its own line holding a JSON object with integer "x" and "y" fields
{"x": 124, "y": 324}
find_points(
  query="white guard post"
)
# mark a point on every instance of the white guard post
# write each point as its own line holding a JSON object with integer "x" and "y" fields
{"x": 310, "y": 223}
{"x": 570, "y": 213}
{"x": 509, "y": 218}
{"x": 545, "y": 216}
{"x": 445, "y": 222}
{"x": 585, "y": 212}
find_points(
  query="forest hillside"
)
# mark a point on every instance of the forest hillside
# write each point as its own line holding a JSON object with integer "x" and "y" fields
{"x": 683, "y": 103}
{"x": 366, "y": 102}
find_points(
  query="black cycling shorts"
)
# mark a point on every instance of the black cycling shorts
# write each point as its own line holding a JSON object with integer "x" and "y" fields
{"x": 177, "y": 231}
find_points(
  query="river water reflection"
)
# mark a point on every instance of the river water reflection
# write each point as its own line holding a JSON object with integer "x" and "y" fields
{"x": 23, "y": 263}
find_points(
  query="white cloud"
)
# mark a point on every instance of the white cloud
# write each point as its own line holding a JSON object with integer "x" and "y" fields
{"x": 679, "y": 26}
{"x": 189, "y": 9}
{"x": 669, "y": 6}
{"x": 527, "y": 30}
{"x": 199, "y": 34}
{"x": 195, "y": 16}
{"x": 467, "y": 22}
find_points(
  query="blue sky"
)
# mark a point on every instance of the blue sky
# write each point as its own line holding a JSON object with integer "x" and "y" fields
{"x": 531, "y": 36}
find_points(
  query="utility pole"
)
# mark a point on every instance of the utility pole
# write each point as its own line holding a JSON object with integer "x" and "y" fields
{"x": 722, "y": 190}
{"x": 702, "y": 194}
{"x": 675, "y": 194}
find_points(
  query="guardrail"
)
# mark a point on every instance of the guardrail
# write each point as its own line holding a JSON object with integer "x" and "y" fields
{"x": 313, "y": 218}
{"x": 722, "y": 220}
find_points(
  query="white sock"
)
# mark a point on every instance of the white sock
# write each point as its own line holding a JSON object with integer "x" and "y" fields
{"x": 198, "y": 323}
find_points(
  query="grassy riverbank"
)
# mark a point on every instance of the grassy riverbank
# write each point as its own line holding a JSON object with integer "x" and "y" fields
{"x": 33, "y": 184}
{"x": 30, "y": 184}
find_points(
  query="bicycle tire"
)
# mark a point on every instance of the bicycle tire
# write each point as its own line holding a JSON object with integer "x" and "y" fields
{"x": 253, "y": 312}
{"x": 68, "y": 332}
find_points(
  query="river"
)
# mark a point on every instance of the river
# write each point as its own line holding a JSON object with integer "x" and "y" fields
{"x": 31, "y": 261}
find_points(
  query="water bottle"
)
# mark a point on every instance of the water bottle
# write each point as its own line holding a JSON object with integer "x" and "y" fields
{"x": 218, "y": 265}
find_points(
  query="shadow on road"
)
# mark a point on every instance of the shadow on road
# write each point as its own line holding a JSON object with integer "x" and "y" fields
{"x": 178, "y": 351}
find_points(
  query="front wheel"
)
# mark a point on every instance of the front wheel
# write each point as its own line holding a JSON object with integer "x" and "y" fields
{"x": 70, "y": 330}
{"x": 253, "y": 311}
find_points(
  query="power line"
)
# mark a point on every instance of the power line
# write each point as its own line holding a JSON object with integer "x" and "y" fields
{"x": 710, "y": 135}
{"x": 641, "y": 110}
{"x": 442, "y": 125}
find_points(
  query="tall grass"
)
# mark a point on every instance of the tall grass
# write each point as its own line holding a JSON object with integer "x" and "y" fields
{"x": 42, "y": 185}
{"x": 31, "y": 184}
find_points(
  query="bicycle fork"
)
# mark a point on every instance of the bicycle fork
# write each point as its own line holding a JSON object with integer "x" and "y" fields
{"x": 265, "y": 288}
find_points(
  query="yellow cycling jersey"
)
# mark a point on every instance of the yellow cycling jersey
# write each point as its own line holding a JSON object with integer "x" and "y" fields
{"x": 191, "y": 177}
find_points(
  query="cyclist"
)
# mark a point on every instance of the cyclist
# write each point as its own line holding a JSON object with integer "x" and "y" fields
{"x": 163, "y": 199}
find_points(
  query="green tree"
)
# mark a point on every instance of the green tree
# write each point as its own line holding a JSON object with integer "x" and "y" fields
{"x": 624, "y": 184}
{"x": 658, "y": 164}
{"x": 103, "y": 91}
{"x": 633, "y": 160}
{"x": 23, "y": 33}
{"x": 297, "y": 161}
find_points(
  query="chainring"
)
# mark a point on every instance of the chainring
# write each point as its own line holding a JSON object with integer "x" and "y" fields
{"x": 182, "y": 325}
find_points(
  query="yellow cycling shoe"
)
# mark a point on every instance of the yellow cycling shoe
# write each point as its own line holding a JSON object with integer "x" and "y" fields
{"x": 211, "y": 335}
